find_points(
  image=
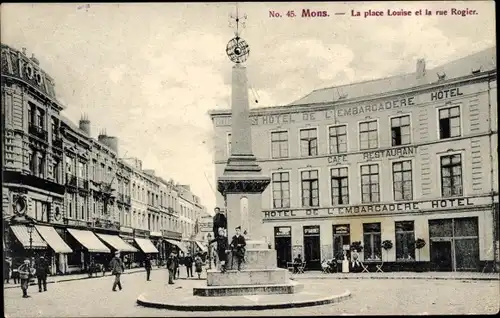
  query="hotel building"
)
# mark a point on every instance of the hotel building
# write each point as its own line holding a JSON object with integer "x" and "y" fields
{"x": 402, "y": 158}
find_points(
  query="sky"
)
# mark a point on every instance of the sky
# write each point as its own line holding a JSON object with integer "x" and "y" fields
{"x": 149, "y": 73}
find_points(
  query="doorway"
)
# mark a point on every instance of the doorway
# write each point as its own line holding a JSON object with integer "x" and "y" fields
{"x": 312, "y": 247}
{"x": 441, "y": 256}
{"x": 283, "y": 245}
{"x": 341, "y": 239}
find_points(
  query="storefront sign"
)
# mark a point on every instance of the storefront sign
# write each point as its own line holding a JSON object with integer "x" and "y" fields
{"x": 153, "y": 233}
{"x": 138, "y": 232}
{"x": 337, "y": 159}
{"x": 409, "y": 207}
{"x": 341, "y": 229}
{"x": 388, "y": 153}
{"x": 126, "y": 229}
{"x": 171, "y": 234}
{"x": 206, "y": 224}
{"x": 311, "y": 230}
{"x": 283, "y": 231}
{"x": 372, "y": 107}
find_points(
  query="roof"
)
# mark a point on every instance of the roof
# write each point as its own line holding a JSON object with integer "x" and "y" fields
{"x": 485, "y": 60}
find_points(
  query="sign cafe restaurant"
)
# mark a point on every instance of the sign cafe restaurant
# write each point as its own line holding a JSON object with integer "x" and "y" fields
{"x": 459, "y": 231}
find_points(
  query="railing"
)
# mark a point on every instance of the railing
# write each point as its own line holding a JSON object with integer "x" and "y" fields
{"x": 57, "y": 142}
{"x": 71, "y": 180}
{"x": 37, "y": 131}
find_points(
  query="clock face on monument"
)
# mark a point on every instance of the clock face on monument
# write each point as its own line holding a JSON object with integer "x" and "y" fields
{"x": 237, "y": 50}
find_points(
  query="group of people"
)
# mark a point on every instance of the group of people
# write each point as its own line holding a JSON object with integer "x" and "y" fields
{"x": 237, "y": 245}
{"x": 27, "y": 271}
{"x": 174, "y": 262}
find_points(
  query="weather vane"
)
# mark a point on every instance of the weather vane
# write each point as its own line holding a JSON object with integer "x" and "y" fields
{"x": 237, "y": 49}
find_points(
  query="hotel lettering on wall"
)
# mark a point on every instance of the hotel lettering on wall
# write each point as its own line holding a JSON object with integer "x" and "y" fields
{"x": 346, "y": 111}
{"x": 403, "y": 207}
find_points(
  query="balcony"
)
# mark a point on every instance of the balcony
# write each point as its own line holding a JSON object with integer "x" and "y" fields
{"x": 71, "y": 180}
{"x": 83, "y": 183}
{"x": 57, "y": 142}
{"x": 37, "y": 131}
{"x": 32, "y": 181}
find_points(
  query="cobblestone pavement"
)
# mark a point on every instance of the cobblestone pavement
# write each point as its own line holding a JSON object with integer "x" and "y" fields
{"x": 94, "y": 298}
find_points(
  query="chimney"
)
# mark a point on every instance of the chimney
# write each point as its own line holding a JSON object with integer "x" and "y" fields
{"x": 150, "y": 172}
{"x": 84, "y": 124}
{"x": 34, "y": 59}
{"x": 112, "y": 143}
{"x": 420, "y": 68}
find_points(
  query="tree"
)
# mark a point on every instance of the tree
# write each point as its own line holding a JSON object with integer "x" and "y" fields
{"x": 419, "y": 243}
{"x": 386, "y": 245}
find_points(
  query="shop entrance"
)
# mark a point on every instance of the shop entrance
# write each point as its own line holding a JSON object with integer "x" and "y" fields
{"x": 341, "y": 238}
{"x": 441, "y": 256}
{"x": 312, "y": 247}
{"x": 283, "y": 245}
{"x": 454, "y": 244}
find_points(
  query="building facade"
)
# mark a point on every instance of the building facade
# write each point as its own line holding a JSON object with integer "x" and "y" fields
{"x": 397, "y": 159}
{"x": 82, "y": 199}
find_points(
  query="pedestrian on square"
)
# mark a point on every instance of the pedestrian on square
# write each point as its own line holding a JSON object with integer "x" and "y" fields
{"x": 25, "y": 272}
{"x": 198, "y": 265}
{"x": 176, "y": 266}
{"x": 147, "y": 266}
{"x": 238, "y": 244}
{"x": 117, "y": 268}
{"x": 188, "y": 262}
{"x": 180, "y": 263}
{"x": 171, "y": 268}
{"x": 222, "y": 246}
{"x": 6, "y": 270}
{"x": 219, "y": 220}
{"x": 42, "y": 270}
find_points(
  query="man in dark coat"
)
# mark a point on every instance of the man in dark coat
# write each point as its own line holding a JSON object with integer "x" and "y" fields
{"x": 238, "y": 244}
{"x": 42, "y": 269}
{"x": 176, "y": 266}
{"x": 171, "y": 268}
{"x": 117, "y": 268}
{"x": 188, "y": 261}
{"x": 221, "y": 240}
{"x": 147, "y": 266}
{"x": 219, "y": 221}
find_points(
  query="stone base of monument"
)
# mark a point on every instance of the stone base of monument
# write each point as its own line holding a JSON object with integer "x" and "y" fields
{"x": 242, "y": 290}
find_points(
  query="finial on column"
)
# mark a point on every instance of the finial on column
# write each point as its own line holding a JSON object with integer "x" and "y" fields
{"x": 237, "y": 49}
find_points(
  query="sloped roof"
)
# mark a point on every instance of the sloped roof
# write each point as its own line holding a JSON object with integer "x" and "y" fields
{"x": 485, "y": 59}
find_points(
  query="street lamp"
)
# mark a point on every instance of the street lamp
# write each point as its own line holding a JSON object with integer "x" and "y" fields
{"x": 30, "y": 228}
{"x": 209, "y": 251}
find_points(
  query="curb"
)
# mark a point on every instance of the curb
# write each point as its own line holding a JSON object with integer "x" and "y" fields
{"x": 399, "y": 277}
{"x": 74, "y": 279}
{"x": 190, "y": 307}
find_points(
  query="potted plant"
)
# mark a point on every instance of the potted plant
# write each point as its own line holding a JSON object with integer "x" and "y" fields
{"x": 419, "y": 243}
{"x": 356, "y": 246}
{"x": 386, "y": 245}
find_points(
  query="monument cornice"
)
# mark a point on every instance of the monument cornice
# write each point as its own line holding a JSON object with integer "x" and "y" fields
{"x": 243, "y": 185}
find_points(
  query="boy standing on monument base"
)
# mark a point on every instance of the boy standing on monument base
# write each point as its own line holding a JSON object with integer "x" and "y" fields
{"x": 238, "y": 244}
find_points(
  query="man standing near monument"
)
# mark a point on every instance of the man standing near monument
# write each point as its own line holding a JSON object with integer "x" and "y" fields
{"x": 220, "y": 221}
{"x": 238, "y": 244}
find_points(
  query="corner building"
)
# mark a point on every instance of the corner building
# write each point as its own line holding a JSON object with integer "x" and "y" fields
{"x": 402, "y": 158}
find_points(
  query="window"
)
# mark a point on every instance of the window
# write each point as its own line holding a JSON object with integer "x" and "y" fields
{"x": 39, "y": 118}
{"x": 402, "y": 180}
{"x": 281, "y": 190}
{"x": 308, "y": 142}
{"x": 279, "y": 144}
{"x": 338, "y": 139}
{"x": 30, "y": 112}
{"x": 372, "y": 241}
{"x": 81, "y": 170}
{"x": 368, "y": 135}
{"x": 400, "y": 130}
{"x": 31, "y": 161}
{"x": 56, "y": 171}
{"x": 94, "y": 170}
{"x": 449, "y": 122}
{"x": 40, "y": 165}
{"x": 451, "y": 175}
{"x": 54, "y": 128}
{"x": 340, "y": 186}
{"x": 228, "y": 144}
{"x": 310, "y": 192}
{"x": 102, "y": 172}
{"x": 405, "y": 240}
{"x": 370, "y": 190}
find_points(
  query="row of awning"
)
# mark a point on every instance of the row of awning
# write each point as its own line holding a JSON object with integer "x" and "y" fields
{"x": 47, "y": 235}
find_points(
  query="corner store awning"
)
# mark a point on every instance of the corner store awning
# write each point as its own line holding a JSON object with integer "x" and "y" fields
{"x": 117, "y": 243}
{"x": 146, "y": 245}
{"x": 22, "y": 234}
{"x": 201, "y": 246}
{"x": 52, "y": 238}
{"x": 89, "y": 241}
{"x": 180, "y": 245}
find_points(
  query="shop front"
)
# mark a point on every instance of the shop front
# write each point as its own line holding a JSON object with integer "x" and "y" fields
{"x": 172, "y": 242}
{"x": 312, "y": 247}
{"x": 144, "y": 244}
{"x": 87, "y": 249}
{"x": 127, "y": 235}
{"x": 157, "y": 240}
{"x": 283, "y": 245}
{"x": 59, "y": 249}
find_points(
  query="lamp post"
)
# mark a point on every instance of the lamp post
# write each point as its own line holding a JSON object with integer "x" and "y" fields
{"x": 209, "y": 251}
{"x": 30, "y": 228}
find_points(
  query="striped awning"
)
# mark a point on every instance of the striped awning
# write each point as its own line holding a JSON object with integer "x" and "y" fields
{"x": 146, "y": 245}
{"x": 117, "y": 243}
{"x": 22, "y": 234}
{"x": 202, "y": 247}
{"x": 180, "y": 245}
{"x": 52, "y": 238}
{"x": 89, "y": 241}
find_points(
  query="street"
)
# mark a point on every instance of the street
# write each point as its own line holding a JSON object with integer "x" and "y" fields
{"x": 93, "y": 297}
